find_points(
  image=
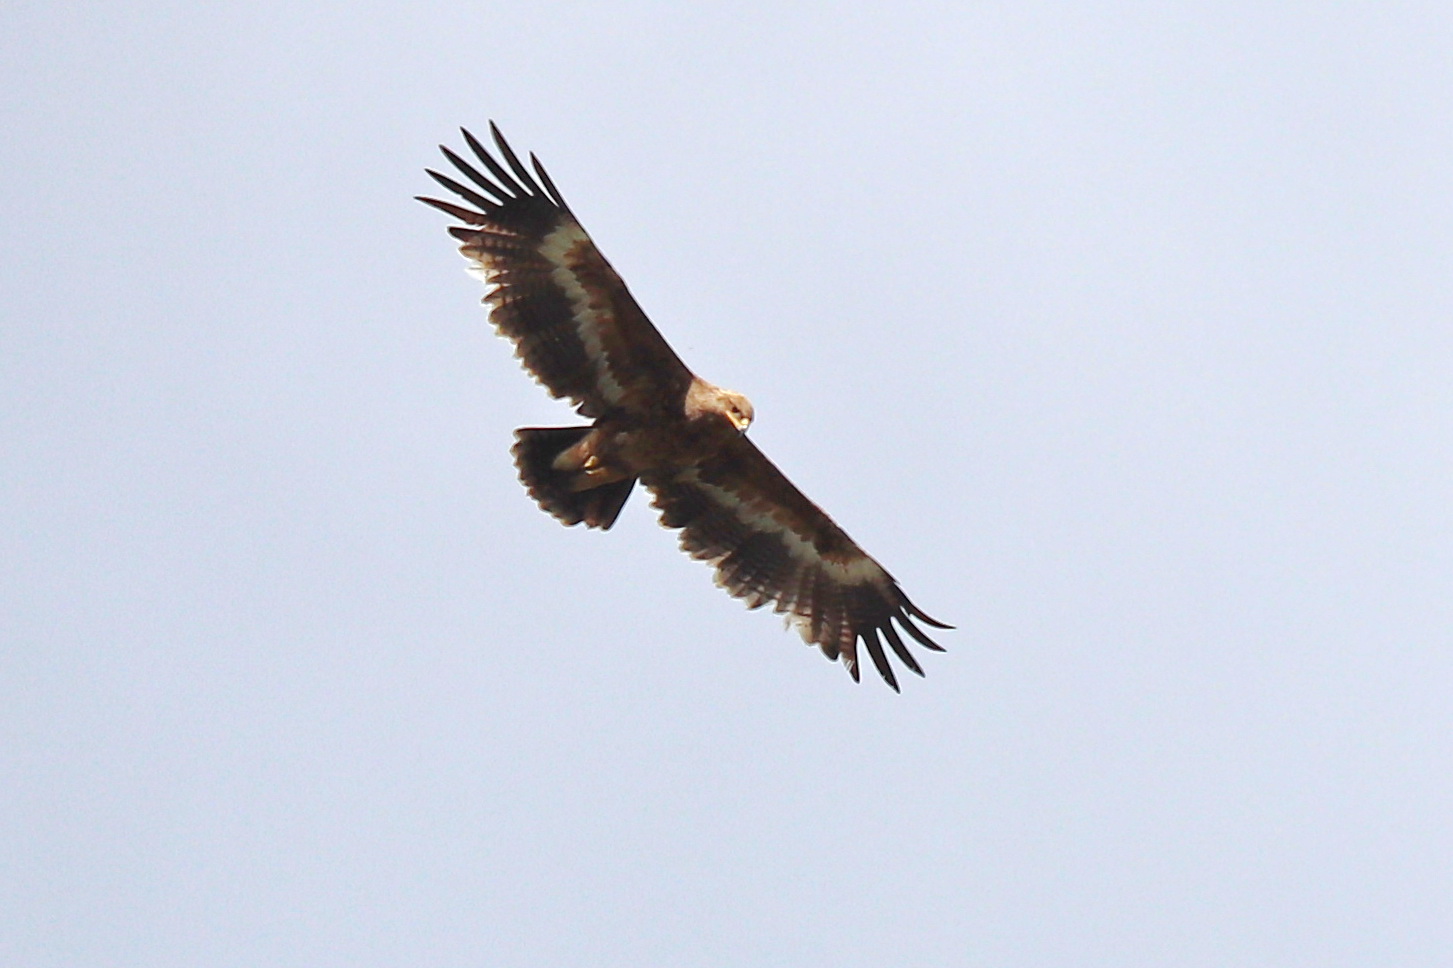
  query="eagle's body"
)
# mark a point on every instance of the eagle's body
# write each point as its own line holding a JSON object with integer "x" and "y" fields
{"x": 683, "y": 433}
{"x": 580, "y": 332}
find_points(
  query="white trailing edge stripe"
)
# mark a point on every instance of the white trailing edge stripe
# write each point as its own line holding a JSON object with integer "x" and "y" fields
{"x": 556, "y": 247}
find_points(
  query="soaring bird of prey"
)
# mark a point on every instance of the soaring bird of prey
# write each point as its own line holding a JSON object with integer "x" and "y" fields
{"x": 581, "y": 334}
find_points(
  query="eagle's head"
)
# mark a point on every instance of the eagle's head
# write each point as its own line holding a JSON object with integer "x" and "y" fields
{"x": 738, "y": 409}
{"x": 705, "y": 399}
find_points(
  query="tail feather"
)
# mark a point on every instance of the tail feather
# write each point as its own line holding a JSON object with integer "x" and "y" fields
{"x": 535, "y": 451}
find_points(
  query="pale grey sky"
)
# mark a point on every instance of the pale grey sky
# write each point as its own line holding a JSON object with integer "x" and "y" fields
{"x": 1122, "y": 335}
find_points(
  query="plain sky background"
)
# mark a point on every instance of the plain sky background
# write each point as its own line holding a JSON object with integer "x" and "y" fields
{"x": 1122, "y": 334}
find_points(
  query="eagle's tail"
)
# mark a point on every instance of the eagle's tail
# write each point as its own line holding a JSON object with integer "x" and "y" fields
{"x": 555, "y": 490}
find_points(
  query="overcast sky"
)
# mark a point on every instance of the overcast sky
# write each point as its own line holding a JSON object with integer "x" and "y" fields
{"x": 1123, "y": 337}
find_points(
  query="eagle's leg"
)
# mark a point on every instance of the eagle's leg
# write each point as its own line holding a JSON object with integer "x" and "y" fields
{"x": 579, "y": 455}
{"x": 587, "y": 462}
{"x": 565, "y": 475}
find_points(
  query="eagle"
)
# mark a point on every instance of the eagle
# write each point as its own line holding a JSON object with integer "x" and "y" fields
{"x": 579, "y": 331}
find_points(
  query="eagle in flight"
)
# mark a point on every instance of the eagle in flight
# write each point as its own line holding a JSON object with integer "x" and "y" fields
{"x": 582, "y": 335}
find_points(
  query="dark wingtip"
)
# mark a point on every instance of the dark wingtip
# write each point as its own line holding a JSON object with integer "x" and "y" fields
{"x": 899, "y": 649}
{"x": 918, "y": 633}
{"x": 920, "y": 614}
{"x": 434, "y": 202}
{"x": 875, "y": 649}
{"x": 468, "y": 171}
{"x": 545, "y": 180}
{"x": 516, "y": 190}
{"x": 463, "y": 191}
{"x": 513, "y": 160}
{"x": 458, "y": 211}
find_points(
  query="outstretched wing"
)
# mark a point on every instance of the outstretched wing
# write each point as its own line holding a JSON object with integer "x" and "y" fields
{"x": 573, "y": 323}
{"x": 769, "y": 543}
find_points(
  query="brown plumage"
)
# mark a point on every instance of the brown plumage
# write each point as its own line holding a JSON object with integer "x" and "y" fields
{"x": 582, "y": 335}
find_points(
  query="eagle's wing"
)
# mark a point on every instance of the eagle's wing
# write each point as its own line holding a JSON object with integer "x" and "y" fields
{"x": 574, "y": 324}
{"x": 769, "y": 543}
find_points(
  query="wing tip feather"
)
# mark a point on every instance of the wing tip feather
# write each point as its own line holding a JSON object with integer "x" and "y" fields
{"x": 458, "y": 211}
{"x": 923, "y": 616}
{"x": 901, "y": 650}
{"x": 918, "y": 633}
{"x": 875, "y": 649}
